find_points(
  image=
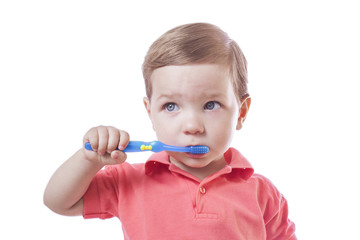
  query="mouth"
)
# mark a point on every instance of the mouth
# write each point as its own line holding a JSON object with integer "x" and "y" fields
{"x": 198, "y": 149}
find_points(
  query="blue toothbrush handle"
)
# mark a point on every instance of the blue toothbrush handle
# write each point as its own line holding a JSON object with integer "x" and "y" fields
{"x": 157, "y": 146}
{"x": 140, "y": 146}
{"x": 87, "y": 146}
{"x": 136, "y": 146}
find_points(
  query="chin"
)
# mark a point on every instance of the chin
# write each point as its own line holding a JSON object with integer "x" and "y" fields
{"x": 190, "y": 160}
{"x": 195, "y": 162}
{"x": 195, "y": 156}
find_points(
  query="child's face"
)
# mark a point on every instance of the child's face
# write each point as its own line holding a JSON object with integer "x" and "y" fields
{"x": 194, "y": 105}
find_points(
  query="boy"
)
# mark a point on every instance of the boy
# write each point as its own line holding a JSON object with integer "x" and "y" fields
{"x": 196, "y": 86}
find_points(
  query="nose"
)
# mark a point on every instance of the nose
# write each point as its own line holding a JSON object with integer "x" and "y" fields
{"x": 192, "y": 124}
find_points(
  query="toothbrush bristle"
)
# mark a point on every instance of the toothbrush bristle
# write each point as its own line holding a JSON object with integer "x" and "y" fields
{"x": 199, "y": 149}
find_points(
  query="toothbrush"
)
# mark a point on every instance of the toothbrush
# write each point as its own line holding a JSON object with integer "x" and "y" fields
{"x": 157, "y": 146}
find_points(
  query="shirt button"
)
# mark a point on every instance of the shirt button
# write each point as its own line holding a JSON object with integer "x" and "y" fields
{"x": 202, "y": 190}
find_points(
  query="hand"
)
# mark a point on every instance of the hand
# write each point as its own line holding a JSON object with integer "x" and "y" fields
{"x": 104, "y": 140}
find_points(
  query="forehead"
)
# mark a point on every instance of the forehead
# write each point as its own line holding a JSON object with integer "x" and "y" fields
{"x": 191, "y": 80}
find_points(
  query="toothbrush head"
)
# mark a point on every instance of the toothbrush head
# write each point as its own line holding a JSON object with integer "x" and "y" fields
{"x": 198, "y": 149}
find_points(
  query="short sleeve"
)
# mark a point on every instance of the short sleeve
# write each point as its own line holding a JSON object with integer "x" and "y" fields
{"x": 101, "y": 197}
{"x": 279, "y": 225}
{"x": 275, "y": 211}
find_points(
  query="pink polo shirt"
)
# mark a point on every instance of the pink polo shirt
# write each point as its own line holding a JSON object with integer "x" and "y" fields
{"x": 157, "y": 200}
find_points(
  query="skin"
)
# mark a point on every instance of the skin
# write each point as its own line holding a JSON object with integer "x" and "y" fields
{"x": 190, "y": 105}
{"x": 195, "y": 105}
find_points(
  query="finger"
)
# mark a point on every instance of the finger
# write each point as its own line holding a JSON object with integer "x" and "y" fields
{"x": 114, "y": 138}
{"x": 118, "y": 157}
{"x": 92, "y": 137}
{"x": 103, "y": 139}
{"x": 124, "y": 140}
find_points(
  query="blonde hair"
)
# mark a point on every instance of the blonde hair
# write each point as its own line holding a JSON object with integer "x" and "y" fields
{"x": 197, "y": 43}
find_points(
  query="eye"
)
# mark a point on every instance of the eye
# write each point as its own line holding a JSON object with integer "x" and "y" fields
{"x": 212, "y": 105}
{"x": 171, "y": 107}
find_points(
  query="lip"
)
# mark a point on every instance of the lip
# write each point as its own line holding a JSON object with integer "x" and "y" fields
{"x": 195, "y": 155}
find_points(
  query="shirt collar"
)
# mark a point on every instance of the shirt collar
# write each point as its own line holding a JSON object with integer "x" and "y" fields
{"x": 236, "y": 161}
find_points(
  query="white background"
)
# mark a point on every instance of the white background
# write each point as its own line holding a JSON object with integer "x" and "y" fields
{"x": 66, "y": 66}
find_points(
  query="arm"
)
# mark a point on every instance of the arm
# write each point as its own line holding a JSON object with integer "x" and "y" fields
{"x": 70, "y": 181}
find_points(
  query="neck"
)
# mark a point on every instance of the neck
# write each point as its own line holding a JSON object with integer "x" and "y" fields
{"x": 202, "y": 172}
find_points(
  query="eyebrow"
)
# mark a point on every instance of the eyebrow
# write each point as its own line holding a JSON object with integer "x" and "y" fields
{"x": 177, "y": 95}
{"x": 168, "y": 96}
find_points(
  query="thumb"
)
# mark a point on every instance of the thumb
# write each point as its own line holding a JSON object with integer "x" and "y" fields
{"x": 115, "y": 157}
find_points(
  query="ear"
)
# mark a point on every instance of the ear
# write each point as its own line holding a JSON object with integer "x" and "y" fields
{"x": 243, "y": 111}
{"x": 147, "y": 105}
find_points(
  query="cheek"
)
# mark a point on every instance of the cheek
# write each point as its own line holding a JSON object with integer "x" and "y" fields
{"x": 222, "y": 136}
{"x": 164, "y": 129}
{"x": 222, "y": 131}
